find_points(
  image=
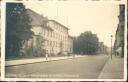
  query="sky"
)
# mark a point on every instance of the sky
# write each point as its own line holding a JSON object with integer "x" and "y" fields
{"x": 101, "y": 19}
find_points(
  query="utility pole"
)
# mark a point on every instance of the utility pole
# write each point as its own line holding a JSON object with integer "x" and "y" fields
{"x": 111, "y": 46}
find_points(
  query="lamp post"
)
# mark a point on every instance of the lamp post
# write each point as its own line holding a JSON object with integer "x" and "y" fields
{"x": 111, "y": 46}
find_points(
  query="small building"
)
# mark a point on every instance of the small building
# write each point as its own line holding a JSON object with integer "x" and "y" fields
{"x": 101, "y": 48}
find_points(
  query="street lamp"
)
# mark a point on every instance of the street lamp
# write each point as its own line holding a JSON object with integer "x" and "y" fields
{"x": 111, "y": 46}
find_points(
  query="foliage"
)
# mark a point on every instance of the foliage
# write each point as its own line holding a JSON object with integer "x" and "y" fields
{"x": 86, "y": 43}
{"x": 39, "y": 45}
{"x": 18, "y": 28}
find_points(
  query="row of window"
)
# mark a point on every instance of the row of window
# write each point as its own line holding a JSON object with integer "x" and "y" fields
{"x": 56, "y": 44}
{"x": 51, "y": 34}
{"x": 57, "y": 51}
{"x": 52, "y": 43}
{"x": 52, "y": 51}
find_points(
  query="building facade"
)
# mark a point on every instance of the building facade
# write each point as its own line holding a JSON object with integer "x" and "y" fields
{"x": 59, "y": 41}
{"x": 119, "y": 37}
{"x": 50, "y": 36}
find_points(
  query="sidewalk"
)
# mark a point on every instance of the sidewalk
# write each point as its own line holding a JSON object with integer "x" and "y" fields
{"x": 37, "y": 60}
{"x": 113, "y": 69}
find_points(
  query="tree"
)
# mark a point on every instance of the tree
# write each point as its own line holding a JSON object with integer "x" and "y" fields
{"x": 75, "y": 45}
{"x": 18, "y": 28}
{"x": 86, "y": 43}
{"x": 39, "y": 44}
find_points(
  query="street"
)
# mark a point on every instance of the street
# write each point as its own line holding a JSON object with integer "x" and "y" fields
{"x": 75, "y": 42}
{"x": 82, "y": 68}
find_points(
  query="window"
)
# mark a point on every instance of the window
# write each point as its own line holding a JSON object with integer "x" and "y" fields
{"x": 58, "y": 36}
{"x": 47, "y": 32}
{"x": 61, "y": 37}
{"x": 44, "y": 31}
{"x": 46, "y": 43}
{"x": 53, "y": 43}
{"x": 54, "y": 35}
{"x": 56, "y": 44}
{"x": 51, "y": 33}
{"x": 50, "y": 43}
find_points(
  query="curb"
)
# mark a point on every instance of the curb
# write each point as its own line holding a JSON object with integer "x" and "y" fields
{"x": 100, "y": 75}
{"x": 107, "y": 74}
{"x": 8, "y": 65}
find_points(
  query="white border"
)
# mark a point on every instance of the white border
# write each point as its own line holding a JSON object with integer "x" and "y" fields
{"x": 2, "y": 40}
{"x": 3, "y": 13}
{"x": 125, "y": 41}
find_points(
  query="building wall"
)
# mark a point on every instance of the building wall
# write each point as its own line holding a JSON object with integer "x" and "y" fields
{"x": 55, "y": 35}
{"x": 119, "y": 37}
{"x": 56, "y": 40}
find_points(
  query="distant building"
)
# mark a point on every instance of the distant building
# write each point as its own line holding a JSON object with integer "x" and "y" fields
{"x": 119, "y": 37}
{"x": 103, "y": 49}
{"x": 55, "y": 35}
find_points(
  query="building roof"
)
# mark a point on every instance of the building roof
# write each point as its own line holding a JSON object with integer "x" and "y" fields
{"x": 37, "y": 20}
{"x": 70, "y": 36}
{"x": 60, "y": 24}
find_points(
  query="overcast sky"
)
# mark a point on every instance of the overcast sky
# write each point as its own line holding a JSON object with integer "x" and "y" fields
{"x": 101, "y": 19}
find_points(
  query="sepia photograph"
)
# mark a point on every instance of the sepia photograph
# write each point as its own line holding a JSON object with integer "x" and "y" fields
{"x": 65, "y": 40}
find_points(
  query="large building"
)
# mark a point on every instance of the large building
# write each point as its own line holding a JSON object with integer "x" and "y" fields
{"x": 50, "y": 36}
{"x": 58, "y": 38}
{"x": 119, "y": 37}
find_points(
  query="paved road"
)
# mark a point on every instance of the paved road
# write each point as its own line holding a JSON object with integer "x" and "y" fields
{"x": 82, "y": 68}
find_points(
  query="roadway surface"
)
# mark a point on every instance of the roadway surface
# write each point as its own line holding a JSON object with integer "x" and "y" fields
{"x": 88, "y": 67}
